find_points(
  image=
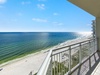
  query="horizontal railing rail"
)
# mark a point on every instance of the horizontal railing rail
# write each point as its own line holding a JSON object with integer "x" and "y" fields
{"x": 74, "y": 44}
{"x": 45, "y": 64}
{"x": 62, "y": 60}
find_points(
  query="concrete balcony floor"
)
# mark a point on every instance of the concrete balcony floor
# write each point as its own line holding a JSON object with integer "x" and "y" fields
{"x": 90, "y": 67}
{"x": 96, "y": 70}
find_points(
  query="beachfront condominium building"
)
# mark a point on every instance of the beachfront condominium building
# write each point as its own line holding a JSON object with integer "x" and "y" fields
{"x": 81, "y": 58}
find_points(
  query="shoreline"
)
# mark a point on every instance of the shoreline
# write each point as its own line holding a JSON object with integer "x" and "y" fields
{"x": 37, "y": 51}
{"x": 23, "y": 57}
{"x": 26, "y": 63}
{"x": 16, "y": 58}
{"x": 68, "y": 42}
{"x": 34, "y": 60}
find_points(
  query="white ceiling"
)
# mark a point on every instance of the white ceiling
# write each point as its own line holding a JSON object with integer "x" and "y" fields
{"x": 91, "y": 6}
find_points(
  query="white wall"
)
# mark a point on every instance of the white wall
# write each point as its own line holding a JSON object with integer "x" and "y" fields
{"x": 98, "y": 31}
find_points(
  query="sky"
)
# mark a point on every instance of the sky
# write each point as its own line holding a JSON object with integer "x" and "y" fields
{"x": 43, "y": 16}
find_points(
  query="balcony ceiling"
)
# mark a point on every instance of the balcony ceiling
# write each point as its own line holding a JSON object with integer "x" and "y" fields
{"x": 91, "y": 6}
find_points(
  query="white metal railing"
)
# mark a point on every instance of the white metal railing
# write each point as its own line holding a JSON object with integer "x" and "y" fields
{"x": 60, "y": 61}
{"x": 44, "y": 68}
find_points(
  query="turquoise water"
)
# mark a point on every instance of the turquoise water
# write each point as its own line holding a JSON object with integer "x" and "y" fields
{"x": 19, "y": 43}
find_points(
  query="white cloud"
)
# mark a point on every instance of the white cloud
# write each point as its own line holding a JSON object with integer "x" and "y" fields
{"x": 41, "y": 6}
{"x": 55, "y": 14}
{"x": 2, "y": 1}
{"x": 57, "y": 23}
{"x": 39, "y": 20}
{"x": 23, "y": 3}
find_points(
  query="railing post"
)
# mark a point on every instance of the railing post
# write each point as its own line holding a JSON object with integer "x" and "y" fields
{"x": 94, "y": 45}
{"x": 96, "y": 40}
{"x": 80, "y": 54}
{"x": 69, "y": 59}
{"x": 89, "y": 48}
{"x": 51, "y": 65}
{"x": 46, "y": 64}
{"x": 97, "y": 43}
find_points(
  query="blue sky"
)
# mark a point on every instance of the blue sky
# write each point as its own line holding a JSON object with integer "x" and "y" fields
{"x": 43, "y": 16}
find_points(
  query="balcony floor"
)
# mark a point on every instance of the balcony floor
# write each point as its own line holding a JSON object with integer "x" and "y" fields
{"x": 89, "y": 67}
{"x": 96, "y": 70}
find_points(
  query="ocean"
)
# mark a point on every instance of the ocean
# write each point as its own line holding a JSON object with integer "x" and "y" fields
{"x": 16, "y": 44}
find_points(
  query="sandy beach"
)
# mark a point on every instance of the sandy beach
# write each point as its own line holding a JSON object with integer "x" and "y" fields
{"x": 24, "y": 65}
{"x": 31, "y": 62}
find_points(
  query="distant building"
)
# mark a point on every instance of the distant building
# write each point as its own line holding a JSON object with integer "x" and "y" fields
{"x": 94, "y": 28}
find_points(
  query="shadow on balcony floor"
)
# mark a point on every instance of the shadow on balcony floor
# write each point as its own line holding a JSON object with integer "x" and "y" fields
{"x": 88, "y": 67}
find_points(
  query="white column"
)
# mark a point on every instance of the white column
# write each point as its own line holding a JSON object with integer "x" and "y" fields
{"x": 98, "y": 32}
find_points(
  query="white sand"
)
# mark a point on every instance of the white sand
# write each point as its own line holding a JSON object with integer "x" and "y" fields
{"x": 32, "y": 62}
{"x": 24, "y": 65}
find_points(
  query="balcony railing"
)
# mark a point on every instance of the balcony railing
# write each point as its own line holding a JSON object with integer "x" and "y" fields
{"x": 66, "y": 59}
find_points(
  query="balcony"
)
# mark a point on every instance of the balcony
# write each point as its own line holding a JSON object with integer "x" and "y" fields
{"x": 81, "y": 58}
{"x": 78, "y": 58}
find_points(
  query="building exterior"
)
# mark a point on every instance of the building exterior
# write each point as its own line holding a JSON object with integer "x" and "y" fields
{"x": 93, "y": 28}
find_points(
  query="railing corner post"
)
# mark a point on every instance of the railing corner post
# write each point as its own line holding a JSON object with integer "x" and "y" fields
{"x": 80, "y": 54}
{"x": 69, "y": 59}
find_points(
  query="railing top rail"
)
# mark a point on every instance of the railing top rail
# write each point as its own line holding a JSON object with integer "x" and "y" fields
{"x": 42, "y": 69}
{"x": 73, "y": 44}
